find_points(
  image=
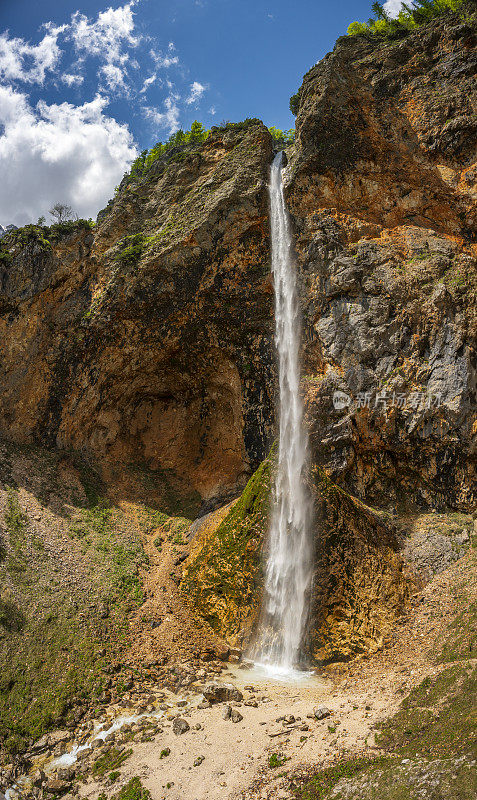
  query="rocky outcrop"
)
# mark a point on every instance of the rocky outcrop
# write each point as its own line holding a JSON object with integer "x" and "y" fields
{"x": 222, "y": 576}
{"x": 146, "y": 342}
{"x": 382, "y": 191}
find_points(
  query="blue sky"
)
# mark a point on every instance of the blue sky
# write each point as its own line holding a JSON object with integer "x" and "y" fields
{"x": 85, "y": 85}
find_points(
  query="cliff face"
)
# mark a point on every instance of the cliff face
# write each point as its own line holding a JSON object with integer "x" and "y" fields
{"x": 146, "y": 345}
{"x": 381, "y": 186}
{"x": 383, "y": 189}
{"x": 148, "y": 342}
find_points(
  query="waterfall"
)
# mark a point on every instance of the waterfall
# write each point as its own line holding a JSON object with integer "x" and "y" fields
{"x": 290, "y": 552}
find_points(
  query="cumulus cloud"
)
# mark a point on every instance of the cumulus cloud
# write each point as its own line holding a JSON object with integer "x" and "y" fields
{"x": 392, "y": 7}
{"x": 108, "y": 37}
{"x": 63, "y": 153}
{"x": 196, "y": 92}
{"x": 169, "y": 118}
{"x": 76, "y": 153}
{"x": 22, "y": 61}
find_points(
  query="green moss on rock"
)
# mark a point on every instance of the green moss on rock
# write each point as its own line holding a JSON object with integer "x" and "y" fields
{"x": 222, "y": 581}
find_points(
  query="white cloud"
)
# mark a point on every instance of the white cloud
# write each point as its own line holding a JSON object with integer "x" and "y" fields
{"x": 63, "y": 153}
{"x": 107, "y": 35}
{"x": 114, "y": 77}
{"x": 148, "y": 82}
{"x": 72, "y": 80}
{"x": 107, "y": 38}
{"x": 392, "y": 7}
{"x": 196, "y": 92}
{"x": 166, "y": 119}
{"x": 21, "y": 61}
{"x": 162, "y": 61}
{"x": 165, "y": 60}
{"x": 76, "y": 154}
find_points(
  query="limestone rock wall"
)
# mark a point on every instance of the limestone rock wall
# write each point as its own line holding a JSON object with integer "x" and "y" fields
{"x": 381, "y": 189}
{"x": 146, "y": 344}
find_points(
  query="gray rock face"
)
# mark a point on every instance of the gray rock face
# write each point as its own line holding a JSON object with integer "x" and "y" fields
{"x": 180, "y": 726}
{"x": 395, "y": 334}
{"x": 216, "y": 692}
{"x": 434, "y": 542}
{"x": 321, "y": 713}
{"x": 384, "y": 240}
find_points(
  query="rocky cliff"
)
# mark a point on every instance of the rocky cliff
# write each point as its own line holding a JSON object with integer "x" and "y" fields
{"x": 381, "y": 186}
{"x": 146, "y": 344}
{"x": 142, "y": 349}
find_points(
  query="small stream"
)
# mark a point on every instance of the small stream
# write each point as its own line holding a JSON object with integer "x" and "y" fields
{"x": 99, "y": 732}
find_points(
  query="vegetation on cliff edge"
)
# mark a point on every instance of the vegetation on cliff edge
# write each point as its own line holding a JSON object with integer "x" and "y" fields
{"x": 412, "y": 16}
{"x": 176, "y": 147}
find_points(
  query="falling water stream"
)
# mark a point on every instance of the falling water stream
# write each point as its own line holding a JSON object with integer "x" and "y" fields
{"x": 290, "y": 552}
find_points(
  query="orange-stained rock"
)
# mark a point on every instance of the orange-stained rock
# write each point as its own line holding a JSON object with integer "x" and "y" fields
{"x": 146, "y": 344}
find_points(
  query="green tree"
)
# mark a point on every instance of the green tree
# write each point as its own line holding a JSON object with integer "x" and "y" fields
{"x": 282, "y": 138}
{"x": 295, "y": 102}
{"x": 410, "y": 16}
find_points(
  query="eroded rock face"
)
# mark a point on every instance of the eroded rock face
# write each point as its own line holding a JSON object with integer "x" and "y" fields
{"x": 382, "y": 191}
{"x": 149, "y": 343}
{"x": 386, "y": 131}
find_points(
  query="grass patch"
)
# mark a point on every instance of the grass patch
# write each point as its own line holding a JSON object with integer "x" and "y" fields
{"x": 322, "y": 783}
{"x": 438, "y": 718}
{"x": 131, "y": 249}
{"x": 111, "y": 760}
{"x": 97, "y": 528}
{"x": 275, "y": 760}
{"x": 63, "y": 616}
{"x": 133, "y": 790}
{"x": 460, "y": 642}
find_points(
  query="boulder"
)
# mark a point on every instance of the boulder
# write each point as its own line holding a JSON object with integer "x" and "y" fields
{"x": 180, "y": 726}
{"x": 321, "y": 712}
{"x": 216, "y": 692}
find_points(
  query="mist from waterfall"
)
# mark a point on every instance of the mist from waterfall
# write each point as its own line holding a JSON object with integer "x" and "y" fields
{"x": 289, "y": 565}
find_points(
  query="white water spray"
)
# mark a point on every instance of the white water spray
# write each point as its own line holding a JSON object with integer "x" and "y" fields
{"x": 290, "y": 559}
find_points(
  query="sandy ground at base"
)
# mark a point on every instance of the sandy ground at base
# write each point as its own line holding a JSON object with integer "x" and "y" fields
{"x": 359, "y": 694}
